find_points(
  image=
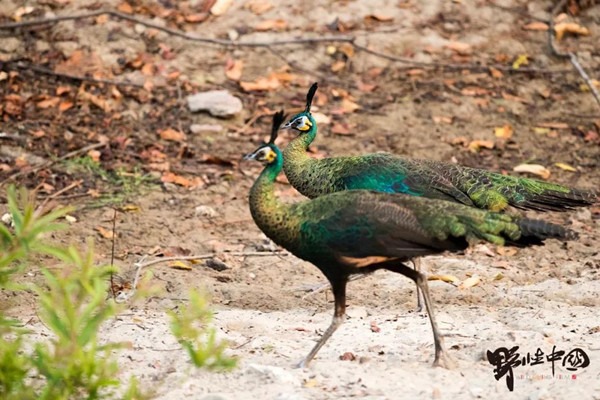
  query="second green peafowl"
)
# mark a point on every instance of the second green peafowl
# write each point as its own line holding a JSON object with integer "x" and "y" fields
{"x": 386, "y": 172}
{"x": 359, "y": 231}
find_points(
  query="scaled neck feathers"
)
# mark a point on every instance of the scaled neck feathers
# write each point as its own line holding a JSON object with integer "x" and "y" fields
{"x": 269, "y": 213}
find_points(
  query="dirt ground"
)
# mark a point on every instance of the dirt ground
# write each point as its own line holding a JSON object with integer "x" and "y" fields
{"x": 534, "y": 298}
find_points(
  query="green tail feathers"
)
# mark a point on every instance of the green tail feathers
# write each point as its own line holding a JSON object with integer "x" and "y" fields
{"x": 495, "y": 191}
{"x": 538, "y": 230}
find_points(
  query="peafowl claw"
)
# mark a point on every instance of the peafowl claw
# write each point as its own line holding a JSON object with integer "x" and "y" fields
{"x": 443, "y": 360}
{"x": 302, "y": 364}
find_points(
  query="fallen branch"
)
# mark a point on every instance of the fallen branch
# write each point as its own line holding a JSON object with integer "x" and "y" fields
{"x": 58, "y": 193}
{"x": 572, "y": 57}
{"x": 46, "y": 71}
{"x": 48, "y": 164}
{"x": 273, "y": 43}
{"x": 175, "y": 32}
{"x": 140, "y": 265}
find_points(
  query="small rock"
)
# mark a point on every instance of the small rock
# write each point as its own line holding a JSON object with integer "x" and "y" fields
{"x": 276, "y": 374}
{"x": 216, "y": 264}
{"x": 266, "y": 245}
{"x": 290, "y": 396}
{"x": 205, "y": 211}
{"x": 584, "y": 214}
{"x": 10, "y": 45}
{"x": 214, "y": 396}
{"x": 199, "y": 128}
{"x": 7, "y": 219}
{"x": 219, "y": 103}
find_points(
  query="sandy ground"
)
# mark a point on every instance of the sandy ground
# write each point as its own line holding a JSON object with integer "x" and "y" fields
{"x": 537, "y": 298}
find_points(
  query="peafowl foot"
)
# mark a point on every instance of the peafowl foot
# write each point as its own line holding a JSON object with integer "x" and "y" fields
{"x": 443, "y": 360}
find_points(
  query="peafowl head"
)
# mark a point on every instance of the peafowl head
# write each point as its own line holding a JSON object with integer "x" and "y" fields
{"x": 269, "y": 153}
{"x": 304, "y": 121}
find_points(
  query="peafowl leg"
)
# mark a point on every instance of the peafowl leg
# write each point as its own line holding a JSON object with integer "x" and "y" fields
{"x": 441, "y": 356}
{"x": 417, "y": 264}
{"x": 339, "y": 292}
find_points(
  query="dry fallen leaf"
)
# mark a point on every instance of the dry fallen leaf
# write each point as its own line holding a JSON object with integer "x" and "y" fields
{"x": 521, "y": 60}
{"x": 553, "y": 125}
{"x": 259, "y": 7}
{"x": 470, "y": 282}
{"x": 569, "y": 27}
{"x": 196, "y": 18}
{"x": 271, "y": 25}
{"x": 506, "y": 251}
{"x": 321, "y": 118}
{"x": 105, "y": 233}
{"x": 172, "y": 135}
{"x": 349, "y": 106}
{"x": 338, "y": 65}
{"x": 125, "y": 8}
{"x": 65, "y": 105}
{"x": 535, "y": 169}
{"x": 179, "y": 265}
{"x": 347, "y": 49}
{"x": 261, "y": 84}
{"x": 170, "y": 177}
{"x": 496, "y": 73}
{"x": 374, "y": 327}
{"x": 476, "y": 145}
{"x": 565, "y": 167}
{"x": 220, "y": 7}
{"x": 233, "y": 69}
{"x": 340, "y": 128}
{"x": 443, "y": 278}
{"x": 504, "y": 132}
{"x": 460, "y": 48}
{"x": 19, "y": 12}
{"x": 48, "y": 103}
{"x": 62, "y": 90}
{"x": 129, "y": 208}
{"x": 536, "y": 26}
{"x": 94, "y": 155}
{"x": 380, "y": 17}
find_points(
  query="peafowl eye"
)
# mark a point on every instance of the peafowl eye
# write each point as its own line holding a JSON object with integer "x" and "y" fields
{"x": 264, "y": 154}
{"x": 301, "y": 123}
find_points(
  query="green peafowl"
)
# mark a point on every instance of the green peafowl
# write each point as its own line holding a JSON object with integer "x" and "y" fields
{"x": 360, "y": 231}
{"x": 386, "y": 172}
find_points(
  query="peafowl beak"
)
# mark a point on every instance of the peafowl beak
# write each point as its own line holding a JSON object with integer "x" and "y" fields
{"x": 250, "y": 156}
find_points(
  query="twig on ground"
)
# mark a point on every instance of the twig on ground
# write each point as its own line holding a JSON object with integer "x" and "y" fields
{"x": 175, "y": 32}
{"x": 46, "y": 71}
{"x": 572, "y": 57}
{"x": 112, "y": 253}
{"x": 273, "y": 43}
{"x": 58, "y": 193}
{"x": 48, "y": 164}
{"x": 10, "y": 136}
{"x": 141, "y": 264}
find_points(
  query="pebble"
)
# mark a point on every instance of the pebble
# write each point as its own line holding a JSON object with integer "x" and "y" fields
{"x": 219, "y": 103}
{"x": 277, "y": 374}
{"x": 205, "y": 211}
{"x": 214, "y": 396}
{"x": 199, "y": 128}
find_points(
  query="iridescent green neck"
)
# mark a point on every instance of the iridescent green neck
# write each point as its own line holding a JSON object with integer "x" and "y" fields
{"x": 295, "y": 154}
{"x": 267, "y": 210}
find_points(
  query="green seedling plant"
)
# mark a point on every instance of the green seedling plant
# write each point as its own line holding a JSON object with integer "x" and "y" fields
{"x": 191, "y": 327}
{"x": 73, "y": 303}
